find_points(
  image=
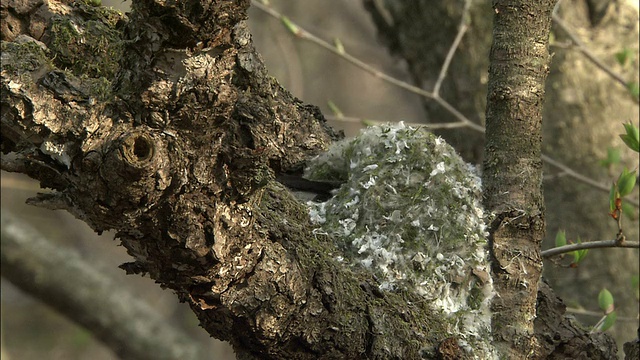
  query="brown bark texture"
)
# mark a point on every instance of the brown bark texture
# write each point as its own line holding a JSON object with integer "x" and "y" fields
{"x": 583, "y": 112}
{"x": 164, "y": 125}
{"x": 512, "y": 174}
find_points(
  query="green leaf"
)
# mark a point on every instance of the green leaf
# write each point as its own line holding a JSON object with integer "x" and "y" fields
{"x": 623, "y": 56}
{"x": 578, "y": 255}
{"x": 609, "y": 320}
{"x": 629, "y": 211}
{"x": 631, "y": 130}
{"x": 631, "y": 138}
{"x": 626, "y": 182}
{"x": 605, "y": 301}
{"x": 613, "y": 157}
{"x": 561, "y": 238}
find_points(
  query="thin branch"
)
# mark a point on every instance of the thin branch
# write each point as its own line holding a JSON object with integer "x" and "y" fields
{"x": 597, "y": 314}
{"x": 384, "y": 13}
{"x": 60, "y": 278}
{"x": 453, "y": 111}
{"x": 305, "y": 35}
{"x": 584, "y": 179}
{"x": 587, "y": 53}
{"x": 463, "y": 121}
{"x": 464, "y": 26}
{"x": 364, "y": 121}
{"x": 590, "y": 245}
{"x": 557, "y": 175}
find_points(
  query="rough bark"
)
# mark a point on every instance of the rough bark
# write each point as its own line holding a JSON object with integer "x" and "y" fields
{"x": 562, "y": 337}
{"x": 165, "y": 126}
{"x": 512, "y": 175}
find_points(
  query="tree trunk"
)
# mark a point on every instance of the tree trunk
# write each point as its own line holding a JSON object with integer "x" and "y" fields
{"x": 512, "y": 175}
{"x": 165, "y": 126}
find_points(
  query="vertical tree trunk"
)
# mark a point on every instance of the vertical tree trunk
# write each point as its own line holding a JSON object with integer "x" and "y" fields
{"x": 512, "y": 176}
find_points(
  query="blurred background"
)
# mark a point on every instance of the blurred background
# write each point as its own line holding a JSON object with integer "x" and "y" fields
{"x": 31, "y": 330}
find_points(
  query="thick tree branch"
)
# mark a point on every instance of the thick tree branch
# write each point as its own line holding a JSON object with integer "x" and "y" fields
{"x": 174, "y": 141}
{"x": 60, "y": 278}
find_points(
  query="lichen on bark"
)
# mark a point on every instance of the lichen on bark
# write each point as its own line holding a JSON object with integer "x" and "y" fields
{"x": 410, "y": 211}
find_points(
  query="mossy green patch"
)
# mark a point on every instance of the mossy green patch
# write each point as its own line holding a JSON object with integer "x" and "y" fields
{"x": 410, "y": 211}
{"x": 90, "y": 45}
{"x": 23, "y": 58}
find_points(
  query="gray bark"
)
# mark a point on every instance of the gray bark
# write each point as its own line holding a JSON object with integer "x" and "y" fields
{"x": 512, "y": 173}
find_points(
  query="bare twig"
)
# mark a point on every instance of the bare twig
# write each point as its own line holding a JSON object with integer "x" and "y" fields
{"x": 462, "y": 29}
{"x": 384, "y": 13}
{"x": 590, "y": 245}
{"x": 447, "y": 60}
{"x": 364, "y": 121}
{"x": 597, "y": 314}
{"x": 305, "y": 35}
{"x": 584, "y": 179}
{"x": 586, "y": 52}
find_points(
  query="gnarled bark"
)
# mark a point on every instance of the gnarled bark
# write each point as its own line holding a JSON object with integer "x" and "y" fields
{"x": 172, "y": 134}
